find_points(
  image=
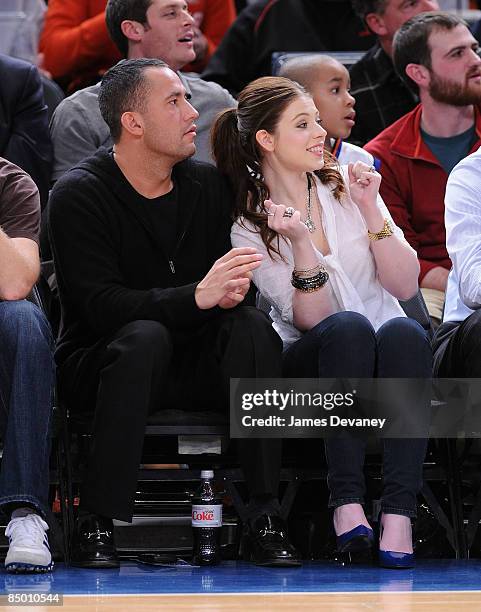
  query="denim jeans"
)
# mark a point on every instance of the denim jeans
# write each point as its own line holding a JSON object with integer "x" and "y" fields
{"x": 26, "y": 395}
{"x": 345, "y": 345}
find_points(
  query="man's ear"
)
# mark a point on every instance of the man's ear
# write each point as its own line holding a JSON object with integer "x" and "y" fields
{"x": 133, "y": 30}
{"x": 418, "y": 73}
{"x": 265, "y": 140}
{"x": 132, "y": 123}
{"x": 376, "y": 24}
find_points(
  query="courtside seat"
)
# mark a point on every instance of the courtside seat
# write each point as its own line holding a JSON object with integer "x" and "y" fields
{"x": 192, "y": 440}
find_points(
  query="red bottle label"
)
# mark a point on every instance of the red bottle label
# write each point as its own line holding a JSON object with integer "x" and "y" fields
{"x": 207, "y": 515}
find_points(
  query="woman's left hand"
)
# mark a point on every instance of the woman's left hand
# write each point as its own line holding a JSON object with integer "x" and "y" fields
{"x": 364, "y": 184}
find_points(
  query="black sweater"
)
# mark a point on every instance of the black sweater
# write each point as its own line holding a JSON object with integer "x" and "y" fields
{"x": 112, "y": 269}
{"x": 267, "y": 26}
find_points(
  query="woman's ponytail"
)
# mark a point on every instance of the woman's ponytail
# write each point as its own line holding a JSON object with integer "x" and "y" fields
{"x": 228, "y": 155}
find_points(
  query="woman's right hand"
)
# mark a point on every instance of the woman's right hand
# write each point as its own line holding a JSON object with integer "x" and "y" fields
{"x": 290, "y": 227}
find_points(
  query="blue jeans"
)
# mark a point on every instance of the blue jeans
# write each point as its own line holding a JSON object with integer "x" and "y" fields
{"x": 26, "y": 399}
{"x": 345, "y": 345}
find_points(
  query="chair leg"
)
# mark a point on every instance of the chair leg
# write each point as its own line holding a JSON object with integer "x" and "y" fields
{"x": 440, "y": 515}
{"x": 289, "y": 497}
{"x": 473, "y": 520}
{"x": 237, "y": 500}
{"x": 66, "y": 489}
{"x": 456, "y": 502}
{"x": 63, "y": 502}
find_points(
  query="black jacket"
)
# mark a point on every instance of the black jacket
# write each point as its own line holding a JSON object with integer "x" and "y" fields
{"x": 24, "y": 134}
{"x": 381, "y": 95}
{"x": 264, "y": 27}
{"x": 112, "y": 269}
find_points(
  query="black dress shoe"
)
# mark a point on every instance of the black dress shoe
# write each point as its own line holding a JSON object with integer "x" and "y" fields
{"x": 268, "y": 545}
{"x": 93, "y": 543}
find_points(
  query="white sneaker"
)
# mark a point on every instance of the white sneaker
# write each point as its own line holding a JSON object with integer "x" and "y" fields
{"x": 28, "y": 545}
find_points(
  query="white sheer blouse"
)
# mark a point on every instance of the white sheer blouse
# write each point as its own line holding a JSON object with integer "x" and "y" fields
{"x": 350, "y": 263}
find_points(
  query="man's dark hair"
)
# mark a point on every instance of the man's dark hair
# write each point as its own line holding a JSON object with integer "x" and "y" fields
{"x": 124, "y": 88}
{"x": 364, "y": 7}
{"x": 411, "y": 41}
{"x": 121, "y": 10}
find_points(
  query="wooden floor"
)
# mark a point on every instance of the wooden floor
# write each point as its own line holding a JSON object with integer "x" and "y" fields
{"x": 236, "y": 586}
{"x": 347, "y": 602}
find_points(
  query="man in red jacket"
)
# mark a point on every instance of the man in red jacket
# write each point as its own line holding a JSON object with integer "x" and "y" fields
{"x": 438, "y": 57}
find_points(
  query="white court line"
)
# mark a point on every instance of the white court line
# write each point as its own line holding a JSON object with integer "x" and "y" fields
{"x": 256, "y": 594}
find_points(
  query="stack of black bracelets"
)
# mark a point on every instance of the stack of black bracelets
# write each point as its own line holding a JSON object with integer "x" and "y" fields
{"x": 310, "y": 280}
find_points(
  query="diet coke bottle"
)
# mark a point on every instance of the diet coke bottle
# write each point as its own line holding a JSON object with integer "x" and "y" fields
{"x": 206, "y": 522}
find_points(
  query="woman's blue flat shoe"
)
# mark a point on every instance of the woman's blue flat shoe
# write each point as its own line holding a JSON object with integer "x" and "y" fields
{"x": 396, "y": 560}
{"x": 357, "y": 539}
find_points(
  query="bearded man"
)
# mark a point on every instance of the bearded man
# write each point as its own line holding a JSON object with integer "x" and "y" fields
{"x": 438, "y": 57}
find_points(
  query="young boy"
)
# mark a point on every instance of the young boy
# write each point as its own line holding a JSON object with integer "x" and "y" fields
{"x": 327, "y": 80}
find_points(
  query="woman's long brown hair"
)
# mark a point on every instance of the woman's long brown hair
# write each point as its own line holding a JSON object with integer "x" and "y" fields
{"x": 237, "y": 154}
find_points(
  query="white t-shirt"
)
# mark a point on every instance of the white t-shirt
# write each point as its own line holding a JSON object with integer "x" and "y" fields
{"x": 350, "y": 264}
{"x": 348, "y": 152}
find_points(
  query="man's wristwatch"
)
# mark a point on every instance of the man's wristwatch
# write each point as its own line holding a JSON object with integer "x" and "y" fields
{"x": 386, "y": 231}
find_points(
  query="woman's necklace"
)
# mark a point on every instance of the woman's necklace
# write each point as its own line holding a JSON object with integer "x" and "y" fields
{"x": 309, "y": 221}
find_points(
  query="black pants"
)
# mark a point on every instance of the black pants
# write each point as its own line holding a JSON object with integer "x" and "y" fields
{"x": 457, "y": 348}
{"x": 345, "y": 345}
{"x": 143, "y": 367}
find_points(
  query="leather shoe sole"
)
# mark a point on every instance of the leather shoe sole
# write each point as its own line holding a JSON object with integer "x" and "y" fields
{"x": 95, "y": 563}
{"x": 277, "y": 562}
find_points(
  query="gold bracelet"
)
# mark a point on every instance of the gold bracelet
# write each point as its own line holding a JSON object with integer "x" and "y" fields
{"x": 308, "y": 272}
{"x": 386, "y": 231}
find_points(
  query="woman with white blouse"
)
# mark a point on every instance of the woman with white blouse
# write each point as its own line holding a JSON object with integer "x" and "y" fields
{"x": 334, "y": 267}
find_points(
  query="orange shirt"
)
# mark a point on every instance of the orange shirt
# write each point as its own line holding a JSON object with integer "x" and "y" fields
{"x": 77, "y": 47}
{"x": 75, "y": 41}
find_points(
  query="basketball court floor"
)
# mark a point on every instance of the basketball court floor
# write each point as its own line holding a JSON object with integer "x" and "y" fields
{"x": 235, "y": 586}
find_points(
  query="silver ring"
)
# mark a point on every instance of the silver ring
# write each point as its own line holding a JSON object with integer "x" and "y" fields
{"x": 289, "y": 212}
{"x": 372, "y": 169}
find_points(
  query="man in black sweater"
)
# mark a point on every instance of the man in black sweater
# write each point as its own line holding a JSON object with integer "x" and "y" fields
{"x": 268, "y": 26}
{"x": 151, "y": 294}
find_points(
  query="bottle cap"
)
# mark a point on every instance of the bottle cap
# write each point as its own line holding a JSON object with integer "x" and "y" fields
{"x": 207, "y": 474}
